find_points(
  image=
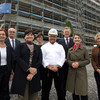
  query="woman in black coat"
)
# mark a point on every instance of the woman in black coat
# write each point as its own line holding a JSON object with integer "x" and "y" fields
{"x": 26, "y": 81}
{"x": 5, "y": 66}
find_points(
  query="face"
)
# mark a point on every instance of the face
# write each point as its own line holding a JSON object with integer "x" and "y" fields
{"x": 40, "y": 39}
{"x": 52, "y": 38}
{"x": 29, "y": 37}
{"x": 12, "y": 33}
{"x": 66, "y": 33}
{"x": 77, "y": 40}
{"x": 2, "y": 36}
{"x": 98, "y": 40}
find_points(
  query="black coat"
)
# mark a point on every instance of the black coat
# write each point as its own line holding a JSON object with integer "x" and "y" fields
{"x": 7, "y": 41}
{"x": 9, "y": 58}
{"x": 22, "y": 58}
{"x": 66, "y": 48}
{"x": 62, "y": 42}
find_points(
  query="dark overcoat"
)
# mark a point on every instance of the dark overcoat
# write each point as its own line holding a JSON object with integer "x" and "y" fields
{"x": 22, "y": 58}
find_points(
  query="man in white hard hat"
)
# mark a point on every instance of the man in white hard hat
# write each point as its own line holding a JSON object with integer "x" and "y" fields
{"x": 53, "y": 60}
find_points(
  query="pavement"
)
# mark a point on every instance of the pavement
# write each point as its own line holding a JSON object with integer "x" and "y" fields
{"x": 92, "y": 89}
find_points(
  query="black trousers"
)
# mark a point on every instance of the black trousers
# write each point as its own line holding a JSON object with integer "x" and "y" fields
{"x": 97, "y": 78}
{"x": 64, "y": 71}
{"x": 4, "y": 83}
{"x": 77, "y": 97}
{"x": 47, "y": 83}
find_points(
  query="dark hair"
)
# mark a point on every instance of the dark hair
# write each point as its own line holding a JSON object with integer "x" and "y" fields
{"x": 77, "y": 35}
{"x": 27, "y": 32}
{"x": 1, "y": 29}
{"x": 39, "y": 34}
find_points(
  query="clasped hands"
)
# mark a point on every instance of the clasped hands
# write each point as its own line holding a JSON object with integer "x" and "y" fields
{"x": 98, "y": 70}
{"x": 32, "y": 71}
{"x": 54, "y": 68}
{"x": 75, "y": 64}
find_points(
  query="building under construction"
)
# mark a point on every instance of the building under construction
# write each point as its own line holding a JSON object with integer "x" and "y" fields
{"x": 42, "y": 15}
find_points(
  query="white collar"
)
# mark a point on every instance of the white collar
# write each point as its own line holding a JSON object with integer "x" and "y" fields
{"x": 11, "y": 39}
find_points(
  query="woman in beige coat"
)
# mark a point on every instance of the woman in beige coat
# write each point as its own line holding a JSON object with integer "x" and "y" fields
{"x": 77, "y": 59}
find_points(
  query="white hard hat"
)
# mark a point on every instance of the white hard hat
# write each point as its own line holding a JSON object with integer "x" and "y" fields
{"x": 53, "y": 31}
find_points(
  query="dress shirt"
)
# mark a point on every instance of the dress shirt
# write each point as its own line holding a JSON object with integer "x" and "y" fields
{"x": 11, "y": 42}
{"x": 53, "y": 54}
{"x": 3, "y": 56}
{"x": 66, "y": 40}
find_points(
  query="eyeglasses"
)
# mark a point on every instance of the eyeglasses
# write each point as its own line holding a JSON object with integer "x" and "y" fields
{"x": 12, "y": 32}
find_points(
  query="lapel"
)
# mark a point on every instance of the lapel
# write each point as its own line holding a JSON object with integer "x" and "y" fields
{"x": 8, "y": 42}
{"x": 15, "y": 43}
{"x": 64, "y": 44}
{"x": 7, "y": 51}
{"x": 74, "y": 52}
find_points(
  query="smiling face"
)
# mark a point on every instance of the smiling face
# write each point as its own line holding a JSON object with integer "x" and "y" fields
{"x": 52, "y": 38}
{"x": 29, "y": 37}
{"x": 66, "y": 32}
{"x": 77, "y": 39}
{"x": 12, "y": 33}
{"x": 40, "y": 39}
{"x": 2, "y": 36}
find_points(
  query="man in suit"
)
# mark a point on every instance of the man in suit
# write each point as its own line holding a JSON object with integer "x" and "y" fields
{"x": 12, "y": 42}
{"x": 67, "y": 43}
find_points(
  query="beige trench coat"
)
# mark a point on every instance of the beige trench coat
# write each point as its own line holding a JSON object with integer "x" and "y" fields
{"x": 77, "y": 78}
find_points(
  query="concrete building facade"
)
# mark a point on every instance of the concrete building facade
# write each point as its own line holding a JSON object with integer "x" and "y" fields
{"x": 42, "y": 15}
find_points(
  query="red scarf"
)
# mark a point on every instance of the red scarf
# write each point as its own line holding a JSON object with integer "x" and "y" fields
{"x": 74, "y": 47}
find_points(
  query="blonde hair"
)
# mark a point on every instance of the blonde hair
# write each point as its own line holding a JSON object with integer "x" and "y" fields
{"x": 98, "y": 34}
{"x": 67, "y": 28}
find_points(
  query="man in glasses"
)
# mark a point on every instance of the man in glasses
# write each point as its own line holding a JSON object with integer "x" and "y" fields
{"x": 12, "y": 42}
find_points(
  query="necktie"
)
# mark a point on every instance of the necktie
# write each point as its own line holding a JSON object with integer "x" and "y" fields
{"x": 13, "y": 44}
{"x": 67, "y": 43}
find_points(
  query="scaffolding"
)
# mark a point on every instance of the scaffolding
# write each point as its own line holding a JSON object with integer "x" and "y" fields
{"x": 42, "y": 15}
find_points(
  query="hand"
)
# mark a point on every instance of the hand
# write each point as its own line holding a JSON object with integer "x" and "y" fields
{"x": 11, "y": 77}
{"x": 29, "y": 77}
{"x": 75, "y": 64}
{"x": 32, "y": 70}
{"x": 54, "y": 68}
{"x": 98, "y": 70}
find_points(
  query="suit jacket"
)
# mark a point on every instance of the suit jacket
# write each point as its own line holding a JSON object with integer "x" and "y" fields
{"x": 62, "y": 42}
{"x": 9, "y": 58}
{"x": 7, "y": 41}
{"x": 64, "y": 69}
{"x": 22, "y": 65}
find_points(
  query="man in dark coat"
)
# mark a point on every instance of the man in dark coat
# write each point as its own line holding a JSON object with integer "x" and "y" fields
{"x": 67, "y": 43}
{"x": 12, "y": 42}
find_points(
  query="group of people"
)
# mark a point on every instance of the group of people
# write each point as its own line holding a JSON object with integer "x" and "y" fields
{"x": 25, "y": 64}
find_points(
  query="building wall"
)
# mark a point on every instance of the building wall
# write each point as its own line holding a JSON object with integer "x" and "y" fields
{"x": 42, "y": 15}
